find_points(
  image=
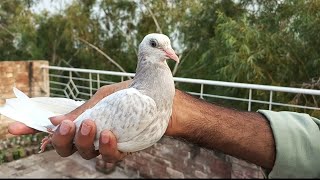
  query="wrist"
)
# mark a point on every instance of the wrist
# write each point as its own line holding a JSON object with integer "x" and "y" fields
{"x": 109, "y": 89}
{"x": 183, "y": 112}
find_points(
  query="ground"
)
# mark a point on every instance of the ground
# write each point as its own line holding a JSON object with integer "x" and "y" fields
{"x": 50, "y": 165}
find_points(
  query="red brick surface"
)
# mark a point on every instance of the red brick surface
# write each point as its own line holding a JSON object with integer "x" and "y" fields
{"x": 172, "y": 158}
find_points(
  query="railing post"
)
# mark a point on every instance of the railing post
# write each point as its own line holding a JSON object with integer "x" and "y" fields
{"x": 98, "y": 81}
{"x": 250, "y": 98}
{"x": 90, "y": 85}
{"x": 70, "y": 80}
{"x": 201, "y": 91}
{"x": 270, "y": 100}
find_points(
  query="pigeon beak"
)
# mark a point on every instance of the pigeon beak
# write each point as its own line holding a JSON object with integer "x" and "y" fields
{"x": 171, "y": 54}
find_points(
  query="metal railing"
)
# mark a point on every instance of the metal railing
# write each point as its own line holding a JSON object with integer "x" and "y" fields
{"x": 80, "y": 84}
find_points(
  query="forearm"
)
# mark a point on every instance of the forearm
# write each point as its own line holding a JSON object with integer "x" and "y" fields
{"x": 100, "y": 94}
{"x": 246, "y": 135}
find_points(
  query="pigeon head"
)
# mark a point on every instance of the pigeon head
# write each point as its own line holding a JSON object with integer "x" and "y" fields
{"x": 155, "y": 47}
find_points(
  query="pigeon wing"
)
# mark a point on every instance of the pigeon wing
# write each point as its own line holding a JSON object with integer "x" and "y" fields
{"x": 126, "y": 113}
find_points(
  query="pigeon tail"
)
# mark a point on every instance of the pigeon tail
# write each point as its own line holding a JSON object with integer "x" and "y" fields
{"x": 35, "y": 112}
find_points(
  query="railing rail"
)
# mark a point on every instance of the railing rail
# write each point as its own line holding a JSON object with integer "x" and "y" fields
{"x": 73, "y": 90}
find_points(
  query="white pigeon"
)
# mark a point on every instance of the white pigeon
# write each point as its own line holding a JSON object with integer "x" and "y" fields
{"x": 138, "y": 116}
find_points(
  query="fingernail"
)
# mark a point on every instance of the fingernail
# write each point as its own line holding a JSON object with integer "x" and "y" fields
{"x": 64, "y": 128}
{"x": 105, "y": 138}
{"x": 85, "y": 129}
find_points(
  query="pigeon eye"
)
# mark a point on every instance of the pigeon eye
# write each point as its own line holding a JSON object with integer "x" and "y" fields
{"x": 153, "y": 43}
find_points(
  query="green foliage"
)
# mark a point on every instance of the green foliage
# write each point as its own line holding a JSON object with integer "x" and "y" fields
{"x": 263, "y": 42}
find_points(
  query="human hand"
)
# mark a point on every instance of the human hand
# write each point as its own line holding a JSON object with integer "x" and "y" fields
{"x": 62, "y": 139}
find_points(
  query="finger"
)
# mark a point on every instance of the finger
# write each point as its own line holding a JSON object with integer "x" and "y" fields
{"x": 56, "y": 120}
{"x": 84, "y": 140}
{"x": 108, "y": 147}
{"x": 62, "y": 139}
{"x": 18, "y": 128}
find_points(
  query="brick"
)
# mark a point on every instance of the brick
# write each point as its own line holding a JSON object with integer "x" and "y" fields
{"x": 220, "y": 168}
{"x": 234, "y": 160}
{"x": 140, "y": 161}
{"x": 145, "y": 155}
{"x": 174, "y": 173}
{"x": 22, "y": 78}
{"x": 239, "y": 171}
{"x": 193, "y": 166}
{"x": 164, "y": 162}
{"x": 158, "y": 170}
{"x": 130, "y": 163}
{"x": 200, "y": 174}
{"x": 9, "y": 75}
{"x": 144, "y": 171}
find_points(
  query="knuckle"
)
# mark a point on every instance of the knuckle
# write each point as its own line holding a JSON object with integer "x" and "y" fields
{"x": 82, "y": 144}
{"x": 63, "y": 154}
{"x": 62, "y": 150}
{"x": 86, "y": 157}
{"x": 58, "y": 146}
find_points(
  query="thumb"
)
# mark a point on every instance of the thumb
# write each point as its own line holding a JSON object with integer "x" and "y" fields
{"x": 56, "y": 120}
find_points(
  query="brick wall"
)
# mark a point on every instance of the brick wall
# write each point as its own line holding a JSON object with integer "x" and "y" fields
{"x": 173, "y": 158}
{"x": 26, "y": 76}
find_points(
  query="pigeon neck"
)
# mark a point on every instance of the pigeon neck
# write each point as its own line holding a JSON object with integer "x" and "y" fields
{"x": 154, "y": 80}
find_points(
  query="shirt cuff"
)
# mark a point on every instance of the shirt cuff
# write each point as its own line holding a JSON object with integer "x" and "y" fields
{"x": 297, "y": 141}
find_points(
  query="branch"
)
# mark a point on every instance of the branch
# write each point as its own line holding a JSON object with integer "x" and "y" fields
{"x": 104, "y": 54}
{"x": 153, "y": 17}
{"x": 7, "y": 30}
{"x": 129, "y": 40}
{"x": 175, "y": 69}
{"x": 315, "y": 101}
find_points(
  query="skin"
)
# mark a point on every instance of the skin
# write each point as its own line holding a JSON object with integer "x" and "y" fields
{"x": 245, "y": 135}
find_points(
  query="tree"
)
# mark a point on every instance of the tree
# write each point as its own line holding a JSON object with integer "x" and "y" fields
{"x": 270, "y": 42}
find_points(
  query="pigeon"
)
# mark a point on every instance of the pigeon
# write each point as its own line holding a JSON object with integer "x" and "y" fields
{"x": 138, "y": 116}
